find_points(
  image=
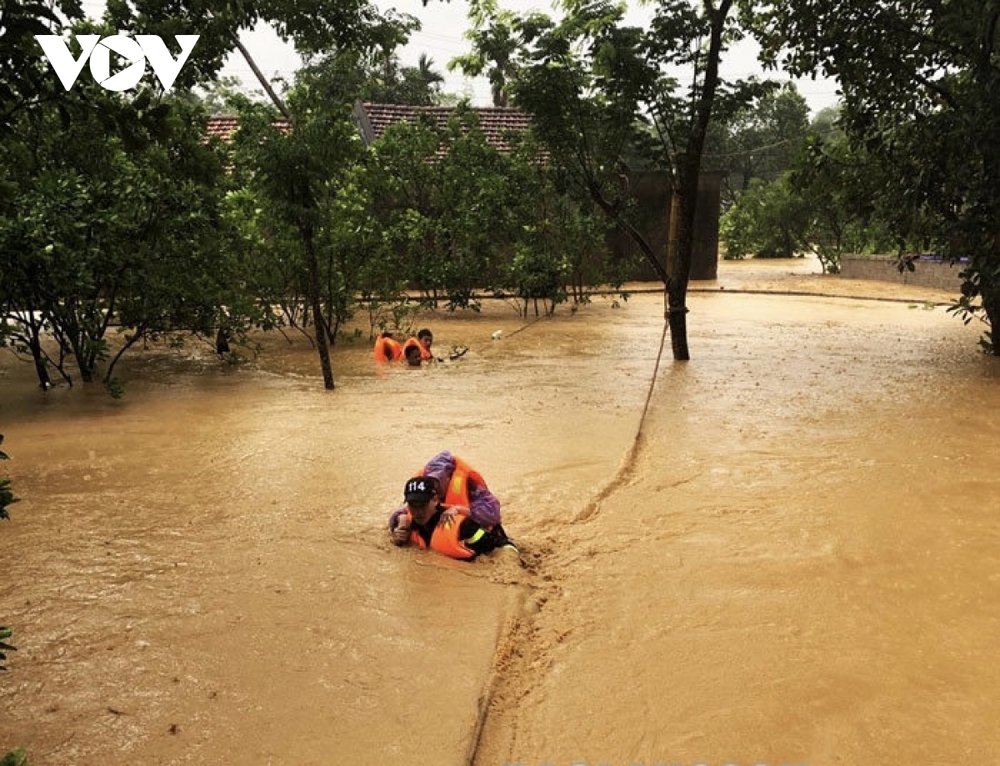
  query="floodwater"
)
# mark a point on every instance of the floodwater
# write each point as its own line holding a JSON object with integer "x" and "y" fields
{"x": 793, "y": 556}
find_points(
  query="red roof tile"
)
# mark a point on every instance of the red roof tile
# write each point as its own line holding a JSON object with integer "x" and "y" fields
{"x": 373, "y": 119}
{"x": 495, "y": 122}
{"x": 223, "y": 126}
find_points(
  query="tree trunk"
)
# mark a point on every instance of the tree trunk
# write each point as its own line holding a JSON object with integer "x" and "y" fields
{"x": 41, "y": 369}
{"x": 685, "y": 193}
{"x": 264, "y": 83}
{"x": 675, "y": 290}
{"x": 991, "y": 304}
{"x": 312, "y": 263}
{"x": 222, "y": 341}
{"x": 84, "y": 358}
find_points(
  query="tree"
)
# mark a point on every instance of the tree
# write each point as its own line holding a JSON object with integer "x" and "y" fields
{"x": 920, "y": 84}
{"x": 449, "y": 207}
{"x": 420, "y": 84}
{"x": 495, "y": 42}
{"x": 298, "y": 171}
{"x": 597, "y": 88}
{"x": 827, "y": 203}
{"x": 293, "y": 175}
{"x": 762, "y": 140}
{"x": 7, "y": 497}
{"x": 95, "y": 230}
{"x": 115, "y": 198}
{"x": 768, "y": 220}
{"x": 386, "y": 82}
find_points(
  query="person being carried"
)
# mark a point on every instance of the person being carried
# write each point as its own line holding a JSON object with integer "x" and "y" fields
{"x": 464, "y": 487}
{"x": 424, "y": 522}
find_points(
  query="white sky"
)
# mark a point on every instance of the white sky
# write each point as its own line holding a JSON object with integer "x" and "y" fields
{"x": 442, "y": 38}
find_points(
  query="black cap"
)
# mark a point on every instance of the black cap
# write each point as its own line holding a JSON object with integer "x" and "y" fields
{"x": 419, "y": 490}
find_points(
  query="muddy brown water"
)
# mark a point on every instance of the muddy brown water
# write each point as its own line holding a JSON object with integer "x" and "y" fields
{"x": 793, "y": 558}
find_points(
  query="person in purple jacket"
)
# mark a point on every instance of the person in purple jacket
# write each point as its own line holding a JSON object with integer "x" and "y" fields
{"x": 463, "y": 487}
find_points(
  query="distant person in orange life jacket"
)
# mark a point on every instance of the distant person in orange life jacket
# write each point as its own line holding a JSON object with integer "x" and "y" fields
{"x": 413, "y": 357}
{"x": 387, "y": 348}
{"x": 423, "y": 343}
{"x": 426, "y": 523}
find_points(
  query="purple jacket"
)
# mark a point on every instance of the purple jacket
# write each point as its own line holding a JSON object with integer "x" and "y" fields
{"x": 484, "y": 508}
{"x": 483, "y": 504}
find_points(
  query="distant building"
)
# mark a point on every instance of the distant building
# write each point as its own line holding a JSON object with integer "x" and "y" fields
{"x": 496, "y": 123}
{"x": 650, "y": 188}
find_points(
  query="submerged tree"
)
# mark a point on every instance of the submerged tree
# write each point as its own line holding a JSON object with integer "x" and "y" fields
{"x": 114, "y": 198}
{"x": 921, "y": 88}
{"x": 297, "y": 170}
{"x": 598, "y": 88}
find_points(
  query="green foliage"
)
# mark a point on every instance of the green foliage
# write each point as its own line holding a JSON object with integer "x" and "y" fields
{"x": 495, "y": 39}
{"x": 391, "y": 83}
{"x": 769, "y": 220}
{"x": 830, "y": 202}
{"x": 969, "y": 306}
{"x": 15, "y": 758}
{"x": 112, "y": 198}
{"x": 760, "y": 141}
{"x": 7, "y": 497}
{"x": 602, "y": 94}
{"x": 920, "y": 87}
{"x": 5, "y": 633}
{"x": 455, "y": 215}
{"x": 298, "y": 181}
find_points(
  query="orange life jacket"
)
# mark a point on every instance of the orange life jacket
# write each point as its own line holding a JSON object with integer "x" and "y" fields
{"x": 388, "y": 350}
{"x": 458, "y": 488}
{"x": 424, "y": 353}
{"x": 445, "y": 537}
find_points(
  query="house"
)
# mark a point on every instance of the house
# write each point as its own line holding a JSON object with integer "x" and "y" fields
{"x": 496, "y": 123}
{"x": 651, "y": 189}
{"x": 222, "y": 126}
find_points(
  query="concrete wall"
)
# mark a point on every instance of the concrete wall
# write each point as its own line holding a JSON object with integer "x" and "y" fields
{"x": 939, "y": 274}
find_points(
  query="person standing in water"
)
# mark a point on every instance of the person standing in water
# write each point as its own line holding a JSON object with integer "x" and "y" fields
{"x": 423, "y": 342}
{"x": 387, "y": 348}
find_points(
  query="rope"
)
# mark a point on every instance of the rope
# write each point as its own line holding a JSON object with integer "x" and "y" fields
{"x": 627, "y": 465}
{"x": 526, "y": 326}
{"x": 515, "y": 625}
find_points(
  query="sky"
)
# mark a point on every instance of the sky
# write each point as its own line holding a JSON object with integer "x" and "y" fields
{"x": 442, "y": 38}
{"x": 444, "y": 24}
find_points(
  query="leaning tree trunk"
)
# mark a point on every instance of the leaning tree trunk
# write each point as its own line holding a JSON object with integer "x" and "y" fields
{"x": 315, "y": 302}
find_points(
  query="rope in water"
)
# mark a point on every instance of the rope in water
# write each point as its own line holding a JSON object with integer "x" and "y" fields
{"x": 620, "y": 476}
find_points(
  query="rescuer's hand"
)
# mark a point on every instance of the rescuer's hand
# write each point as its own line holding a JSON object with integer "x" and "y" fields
{"x": 401, "y": 532}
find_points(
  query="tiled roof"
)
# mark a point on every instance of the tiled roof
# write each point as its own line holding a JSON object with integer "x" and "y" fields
{"x": 373, "y": 119}
{"x": 223, "y": 126}
{"x": 495, "y": 122}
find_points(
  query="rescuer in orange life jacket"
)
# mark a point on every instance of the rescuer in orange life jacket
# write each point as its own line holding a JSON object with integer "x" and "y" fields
{"x": 387, "y": 348}
{"x": 422, "y": 344}
{"x": 426, "y": 523}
